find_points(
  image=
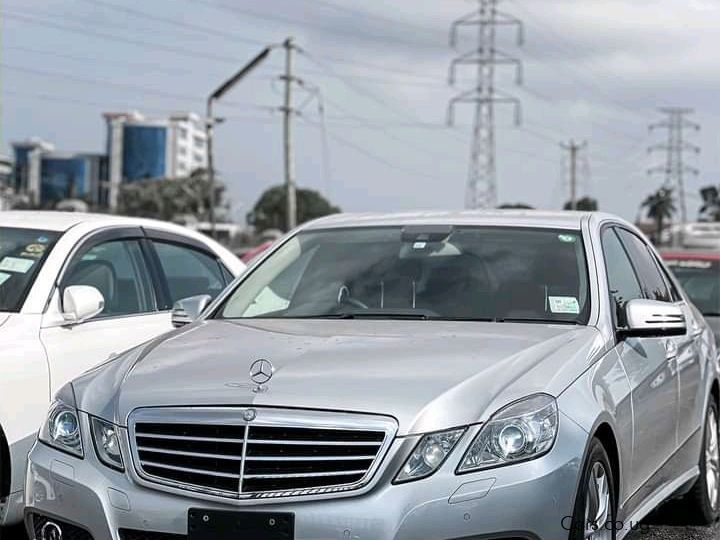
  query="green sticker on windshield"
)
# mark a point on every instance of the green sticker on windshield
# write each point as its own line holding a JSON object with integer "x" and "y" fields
{"x": 567, "y": 238}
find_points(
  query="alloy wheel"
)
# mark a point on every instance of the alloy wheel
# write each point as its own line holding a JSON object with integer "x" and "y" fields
{"x": 712, "y": 461}
{"x": 598, "y": 506}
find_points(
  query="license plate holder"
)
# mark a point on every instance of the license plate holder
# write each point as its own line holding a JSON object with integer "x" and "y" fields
{"x": 235, "y": 525}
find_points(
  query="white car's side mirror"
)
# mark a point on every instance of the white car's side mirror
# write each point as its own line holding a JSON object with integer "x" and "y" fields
{"x": 81, "y": 302}
{"x": 187, "y": 310}
{"x": 652, "y": 318}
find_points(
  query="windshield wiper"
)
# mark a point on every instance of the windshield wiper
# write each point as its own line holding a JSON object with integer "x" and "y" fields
{"x": 531, "y": 320}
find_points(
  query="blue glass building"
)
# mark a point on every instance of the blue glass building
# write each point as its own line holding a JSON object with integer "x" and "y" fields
{"x": 144, "y": 152}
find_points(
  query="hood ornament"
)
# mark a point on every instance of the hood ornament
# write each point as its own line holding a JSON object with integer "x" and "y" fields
{"x": 261, "y": 371}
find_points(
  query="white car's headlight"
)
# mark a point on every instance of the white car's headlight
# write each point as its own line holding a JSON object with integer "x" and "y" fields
{"x": 107, "y": 443}
{"x": 61, "y": 429}
{"x": 521, "y": 431}
{"x": 431, "y": 452}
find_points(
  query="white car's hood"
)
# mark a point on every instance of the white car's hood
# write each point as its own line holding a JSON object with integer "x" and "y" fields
{"x": 428, "y": 375}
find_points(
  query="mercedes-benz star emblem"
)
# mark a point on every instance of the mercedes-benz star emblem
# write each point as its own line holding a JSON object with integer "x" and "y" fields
{"x": 261, "y": 371}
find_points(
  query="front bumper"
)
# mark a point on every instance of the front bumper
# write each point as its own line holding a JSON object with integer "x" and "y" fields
{"x": 528, "y": 500}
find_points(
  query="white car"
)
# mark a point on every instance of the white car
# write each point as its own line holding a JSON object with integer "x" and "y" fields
{"x": 76, "y": 289}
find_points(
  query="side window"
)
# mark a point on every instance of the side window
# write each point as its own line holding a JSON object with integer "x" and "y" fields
{"x": 622, "y": 280}
{"x": 653, "y": 284}
{"x": 189, "y": 272}
{"x": 118, "y": 270}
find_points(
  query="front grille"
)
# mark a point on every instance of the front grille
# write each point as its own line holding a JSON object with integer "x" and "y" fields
{"x": 278, "y": 453}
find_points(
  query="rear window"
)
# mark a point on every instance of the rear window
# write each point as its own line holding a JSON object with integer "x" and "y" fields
{"x": 22, "y": 254}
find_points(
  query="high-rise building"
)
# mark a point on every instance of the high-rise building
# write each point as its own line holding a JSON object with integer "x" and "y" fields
{"x": 47, "y": 177}
{"x": 6, "y": 189}
{"x": 141, "y": 149}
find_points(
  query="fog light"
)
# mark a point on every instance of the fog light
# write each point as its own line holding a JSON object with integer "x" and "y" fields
{"x": 51, "y": 531}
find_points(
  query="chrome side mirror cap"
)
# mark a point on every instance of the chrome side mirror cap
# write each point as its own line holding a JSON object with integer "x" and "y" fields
{"x": 80, "y": 303}
{"x": 188, "y": 310}
{"x": 652, "y": 318}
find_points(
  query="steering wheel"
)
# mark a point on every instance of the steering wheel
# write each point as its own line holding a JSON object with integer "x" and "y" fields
{"x": 344, "y": 297}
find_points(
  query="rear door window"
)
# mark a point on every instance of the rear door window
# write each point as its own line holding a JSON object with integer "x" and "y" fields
{"x": 189, "y": 272}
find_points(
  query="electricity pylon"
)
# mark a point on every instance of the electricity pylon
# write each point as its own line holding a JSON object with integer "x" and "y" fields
{"x": 675, "y": 148}
{"x": 482, "y": 181}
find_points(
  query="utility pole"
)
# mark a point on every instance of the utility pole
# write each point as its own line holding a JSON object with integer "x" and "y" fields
{"x": 288, "y": 112}
{"x": 574, "y": 149}
{"x": 675, "y": 168}
{"x": 482, "y": 182}
{"x": 211, "y": 121}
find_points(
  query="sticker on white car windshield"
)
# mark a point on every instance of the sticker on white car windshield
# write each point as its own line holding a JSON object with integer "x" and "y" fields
{"x": 15, "y": 264}
{"x": 567, "y": 238}
{"x": 4, "y": 277}
{"x": 564, "y": 304}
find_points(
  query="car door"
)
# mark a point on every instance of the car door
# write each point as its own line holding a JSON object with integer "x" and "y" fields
{"x": 651, "y": 367}
{"x": 691, "y": 390}
{"x": 187, "y": 268}
{"x": 115, "y": 263}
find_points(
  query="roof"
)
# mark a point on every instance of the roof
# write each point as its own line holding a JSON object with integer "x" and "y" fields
{"x": 62, "y": 221}
{"x": 520, "y": 218}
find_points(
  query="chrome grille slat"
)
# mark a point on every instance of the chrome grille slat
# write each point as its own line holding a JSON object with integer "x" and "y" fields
{"x": 316, "y": 443}
{"x": 189, "y": 438}
{"x": 184, "y": 453}
{"x": 279, "y": 453}
{"x": 309, "y": 458}
{"x": 187, "y": 470}
{"x": 307, "y": 475}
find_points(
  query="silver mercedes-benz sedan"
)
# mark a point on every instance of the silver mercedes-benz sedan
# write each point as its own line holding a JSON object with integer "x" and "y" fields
{"x": 435, "y": 376}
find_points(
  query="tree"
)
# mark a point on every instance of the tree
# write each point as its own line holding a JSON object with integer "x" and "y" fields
{"x": 269, "y": 211}
{"x": 517, "y": 206}
{"x": 710, "y": 209}
{"x": 660, "y": 207}
{"x": 586, "y": 204}
{"x": 168, "y": 198}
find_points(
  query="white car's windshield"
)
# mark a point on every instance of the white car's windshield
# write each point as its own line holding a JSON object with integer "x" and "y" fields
{"x": 427, "y": 272}
{"x": 22, "y": 253}
{"x": 701, "y": 281}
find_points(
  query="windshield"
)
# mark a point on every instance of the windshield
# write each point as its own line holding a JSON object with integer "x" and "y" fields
{"x": 430, "y": 272}
{"x": 22, "y": 253}
{"x": 701, "y": 281}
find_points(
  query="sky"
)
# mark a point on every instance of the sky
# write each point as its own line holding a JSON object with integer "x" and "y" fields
{"x": 594, "y": 70}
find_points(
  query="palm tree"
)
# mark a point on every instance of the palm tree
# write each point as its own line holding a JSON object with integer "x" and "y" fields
{"x": 660, "y": 207}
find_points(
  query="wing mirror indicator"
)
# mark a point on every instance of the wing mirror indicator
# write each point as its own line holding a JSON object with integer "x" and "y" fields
{"x": 653, "y": 318}
{"x": 81, "y": 303}
{"x": 188, "y": 310}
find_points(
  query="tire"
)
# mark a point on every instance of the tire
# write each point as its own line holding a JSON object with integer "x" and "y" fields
{"x": 597, "y": 478}
{"x": 702, "y": 503}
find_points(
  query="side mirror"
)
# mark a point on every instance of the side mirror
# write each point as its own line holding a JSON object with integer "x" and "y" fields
{"x": 188, "y": 310}
{"x": 652, "y": 318}
{"x": 81, "y": 302}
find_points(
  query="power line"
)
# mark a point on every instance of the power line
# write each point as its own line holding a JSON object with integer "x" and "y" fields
{"x": 105, "y": 83}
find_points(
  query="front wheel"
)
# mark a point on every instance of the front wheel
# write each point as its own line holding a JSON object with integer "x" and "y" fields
{"x": 703, "y": 502}
{"x": 596, "y": 502}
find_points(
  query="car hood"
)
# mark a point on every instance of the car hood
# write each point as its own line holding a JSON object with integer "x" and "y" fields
{"x": 428, "y": 375}
{"x": 3, "y": 318}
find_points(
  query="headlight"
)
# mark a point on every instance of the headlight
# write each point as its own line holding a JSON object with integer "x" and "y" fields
{"x": 61, "y": 429}
{"x": 429, "y": 454}
{"x": 107, "y": 443}
{"x": 521, "y": 431}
